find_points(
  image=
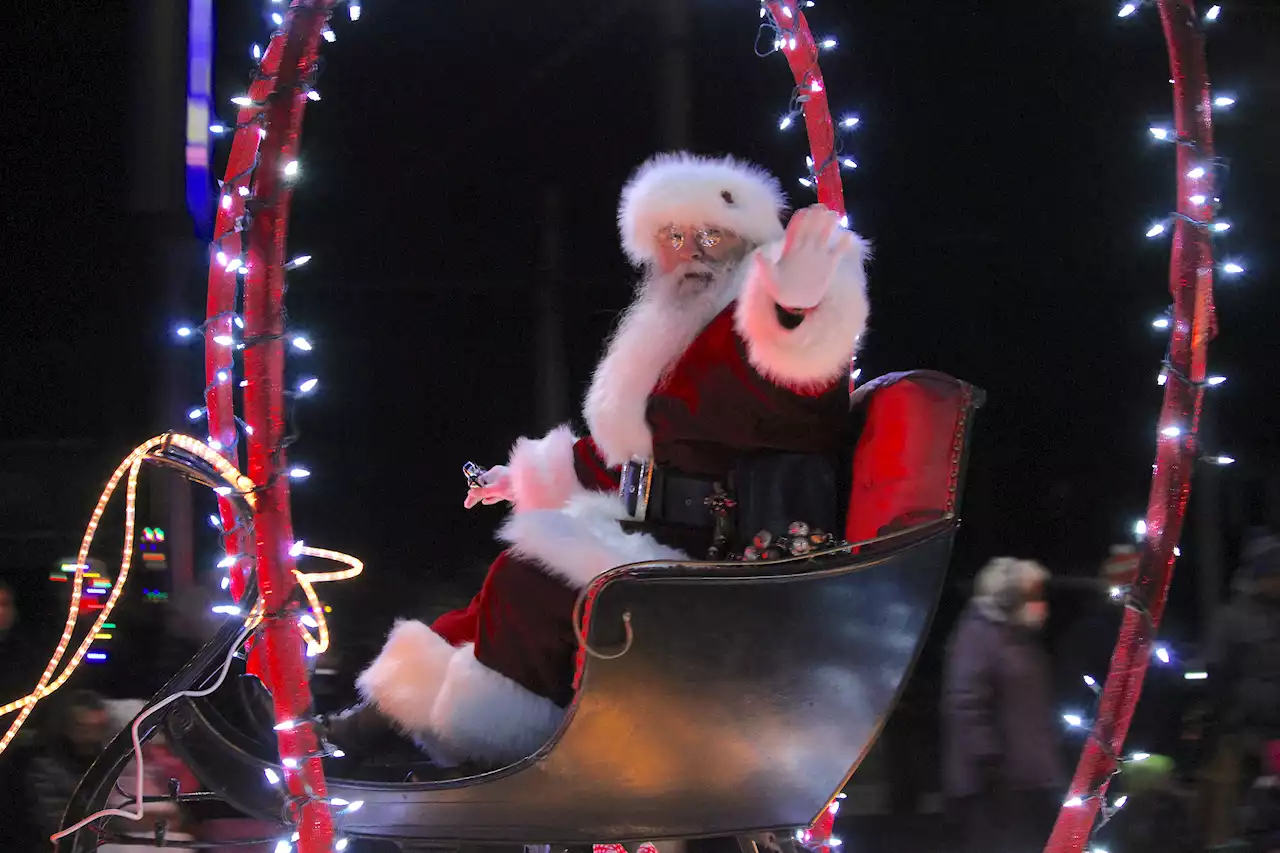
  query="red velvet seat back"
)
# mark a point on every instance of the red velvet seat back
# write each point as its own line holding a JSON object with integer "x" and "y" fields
{"x": 909, "y": 461}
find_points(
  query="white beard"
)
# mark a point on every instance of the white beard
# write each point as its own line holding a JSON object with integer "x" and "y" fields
{"x": 668, "y": 313}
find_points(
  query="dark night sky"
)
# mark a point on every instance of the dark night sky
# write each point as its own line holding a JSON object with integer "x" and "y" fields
{"x": 1007, "y": 179}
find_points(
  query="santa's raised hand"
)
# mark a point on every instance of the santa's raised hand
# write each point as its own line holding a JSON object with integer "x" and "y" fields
{"x": 814, "y": 248}
{"x": 495, "y": 486}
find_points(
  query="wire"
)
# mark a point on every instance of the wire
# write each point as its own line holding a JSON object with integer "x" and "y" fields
{"x": 137, "y": 743}
{"x": 231, "y": 478}
{"x": 131, "y": 465}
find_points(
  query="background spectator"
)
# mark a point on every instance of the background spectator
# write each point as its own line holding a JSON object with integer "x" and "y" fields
{"x": 77, "y": 730}
{"x": 1002, "y": 769}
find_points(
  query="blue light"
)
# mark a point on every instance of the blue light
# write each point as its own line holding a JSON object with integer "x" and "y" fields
{"x": 200, "y": 194}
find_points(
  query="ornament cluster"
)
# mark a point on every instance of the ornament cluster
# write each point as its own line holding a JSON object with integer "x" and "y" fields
{"x": 800, "y": 539}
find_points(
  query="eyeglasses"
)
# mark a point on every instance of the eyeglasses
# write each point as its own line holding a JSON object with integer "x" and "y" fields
{"x": 705, "y": 238}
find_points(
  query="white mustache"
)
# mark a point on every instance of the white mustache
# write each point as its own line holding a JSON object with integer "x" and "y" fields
{"x": 702, "y": 269}
{"x": 692, "y": 280}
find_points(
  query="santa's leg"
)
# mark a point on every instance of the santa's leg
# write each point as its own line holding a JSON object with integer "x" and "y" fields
{"x": 499, "y": 694}
{"x": 505, "y": 694}
{"x": 363, "y": 729}
{"x": 478, "y": 684}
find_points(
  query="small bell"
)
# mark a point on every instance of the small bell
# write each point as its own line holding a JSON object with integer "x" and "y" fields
{"x": 763, "y": 540}
{"x": 751, "y": 553}
{"x": 798, "y": 528}
{"x": 799, "y": 546}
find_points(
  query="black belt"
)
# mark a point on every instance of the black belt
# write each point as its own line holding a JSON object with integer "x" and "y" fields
{"x": 660, "y": 494}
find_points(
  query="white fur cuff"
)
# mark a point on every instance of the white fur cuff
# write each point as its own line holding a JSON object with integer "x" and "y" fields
{"x": 453, "y": 705}
{"x": 817, "y": 351}
{"x": 406, "y": 676}
{"x": 542, "y": 471}
{"x": 582, "y": 541}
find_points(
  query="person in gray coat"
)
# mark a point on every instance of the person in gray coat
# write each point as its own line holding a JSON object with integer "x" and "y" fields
{"x": 1002, "y": 770}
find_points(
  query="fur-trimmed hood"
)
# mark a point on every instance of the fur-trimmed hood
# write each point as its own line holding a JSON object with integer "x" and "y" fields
{"x": 1003, "y": 586}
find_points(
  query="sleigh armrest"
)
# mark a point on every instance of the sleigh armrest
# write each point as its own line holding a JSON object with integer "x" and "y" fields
{"x": 911, "y": 452}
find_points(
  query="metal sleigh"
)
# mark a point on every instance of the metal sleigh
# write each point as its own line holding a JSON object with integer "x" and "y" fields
{"x": 746, "y": 698}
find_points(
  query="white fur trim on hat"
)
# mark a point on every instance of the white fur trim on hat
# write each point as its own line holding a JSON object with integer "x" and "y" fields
{"x": 688, "y": 189}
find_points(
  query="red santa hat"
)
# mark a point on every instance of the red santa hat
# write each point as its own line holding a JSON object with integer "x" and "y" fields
{"x": 688, "y": 189}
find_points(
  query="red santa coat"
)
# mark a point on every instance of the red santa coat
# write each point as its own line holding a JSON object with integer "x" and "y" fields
{"x": 697, "y": 389}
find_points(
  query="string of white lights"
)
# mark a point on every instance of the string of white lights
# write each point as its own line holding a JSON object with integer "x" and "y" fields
{"x": 1122, "y": 595}
{"x": 238, "y": 199}
{"x": 780, "y": 35}
{"x": 784, "y": 30}
{"x": 1203, "y": 179}
{"x": 237, "y": 192}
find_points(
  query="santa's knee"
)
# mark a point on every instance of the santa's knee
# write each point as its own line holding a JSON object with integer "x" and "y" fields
{"x": 518, "y": 583}
{"x": 509, "y": 578}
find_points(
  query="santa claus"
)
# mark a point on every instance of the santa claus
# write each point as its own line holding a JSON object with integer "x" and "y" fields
{"x": 719, "y": 409}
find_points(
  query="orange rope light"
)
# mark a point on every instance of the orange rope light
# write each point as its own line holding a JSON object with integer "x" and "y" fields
{"x": 130, "y": 468}
{"x": 316, "y": 646}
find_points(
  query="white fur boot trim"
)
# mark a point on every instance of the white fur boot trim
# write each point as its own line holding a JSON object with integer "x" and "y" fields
{"x": 406, "y": 677}
{"x": 481, "y": 714}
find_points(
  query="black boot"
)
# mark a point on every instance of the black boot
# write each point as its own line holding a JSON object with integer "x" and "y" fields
{"x": 362, "y": 730}
{"x": 371, "y": 741}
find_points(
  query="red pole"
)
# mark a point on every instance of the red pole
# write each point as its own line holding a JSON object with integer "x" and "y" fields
{"x": 280, "y": 656}
{"x": 1191, "y": 285}
{"x": 221, "y": 306}
{"x": 801, "y": 50}
{"x": 796, "y": 42}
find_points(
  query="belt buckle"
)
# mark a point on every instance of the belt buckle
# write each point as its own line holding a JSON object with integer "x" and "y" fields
{"x": 633, "y": 488}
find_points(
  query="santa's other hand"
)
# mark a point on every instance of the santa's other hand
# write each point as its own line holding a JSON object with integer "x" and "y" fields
{"x": 494, "y": 487}
{"x": 814, "y": 247}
